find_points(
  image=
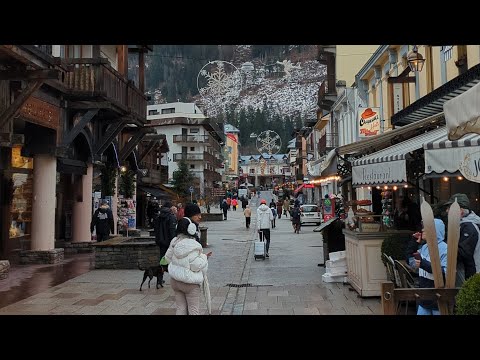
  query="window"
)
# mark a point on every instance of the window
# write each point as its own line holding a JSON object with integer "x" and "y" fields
{"x": 194, "y": 130}
{"x": 168, "y": 111}
{"x": 447, "y": 52}
{"x": 252, "y": 171}
{"x": 192, "y": 148}
{"x": 192, "y": 166}
{"x": 153, "y": 112}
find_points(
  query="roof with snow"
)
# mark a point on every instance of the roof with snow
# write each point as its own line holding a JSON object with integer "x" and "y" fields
{"x": 245, "y": 159}
{"x": 228, "y": 128}
{"x": 291, "y": 144}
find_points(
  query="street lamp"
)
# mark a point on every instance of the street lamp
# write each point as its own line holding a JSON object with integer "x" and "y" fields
{"x": 415, "y": 60}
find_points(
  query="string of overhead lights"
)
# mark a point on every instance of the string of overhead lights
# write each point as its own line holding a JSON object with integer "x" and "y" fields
{"x": 330, "y": 178}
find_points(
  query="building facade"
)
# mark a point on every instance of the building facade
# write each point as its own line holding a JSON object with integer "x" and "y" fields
{"x": 193, "y": 138}
{"x": 63, "y": 110}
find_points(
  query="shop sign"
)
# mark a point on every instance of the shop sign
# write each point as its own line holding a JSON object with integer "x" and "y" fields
{"x": 397, "y": 97}
{"x": 368, "y": 121}
{"x": 470, "y": 167}
{"x": 41, "y": 113}
{"x": 380, "y": 173}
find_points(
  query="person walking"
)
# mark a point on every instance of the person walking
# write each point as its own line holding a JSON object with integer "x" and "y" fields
{"x": 165, "y": 224}
{"x": 244, "y": 202}
{"x": 102, "y": 222}
{"x": 264, "y": 219}
{"x": 274, "y": 213}
{"x": 181, "y": 211}
{"x": 295, "y": 215}
{"x": 468, "y": 258}
{"x": 286, "y": 207}
{"x": 425, "y": 272}
{"x": 193, "y": 212}
{"x": 187, "y": 268}
{"x": 224, "y": 209}
{"x": 279, "y": 208}
{"x": 248, "y": 216}
{"x": 234, "y": 204}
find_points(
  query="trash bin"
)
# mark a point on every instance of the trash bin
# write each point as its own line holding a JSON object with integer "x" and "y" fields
{"x": 203, "y": 236}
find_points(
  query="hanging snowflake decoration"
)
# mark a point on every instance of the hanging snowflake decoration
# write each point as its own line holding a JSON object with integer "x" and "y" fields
{"x": 269, "y": 142}
{"x": 218, "y": 82}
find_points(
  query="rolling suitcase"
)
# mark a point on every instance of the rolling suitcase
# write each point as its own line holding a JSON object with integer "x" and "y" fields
{"x": 259, "y": 249}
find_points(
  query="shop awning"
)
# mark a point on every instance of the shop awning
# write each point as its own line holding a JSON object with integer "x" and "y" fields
{"x": 299, "y": 188}
{"x": 329, "y": 166}
{"x": 432, "y": 103}
{"x": 462, "y": 114}
{"x": 388, "y": 166}
{"x": 443, "y": 155}
{"x": 156, "y": 192}
{"x": 387, "y": 138}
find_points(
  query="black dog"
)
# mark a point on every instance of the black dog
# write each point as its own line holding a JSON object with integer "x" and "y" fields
{"x": 150, "y": 272}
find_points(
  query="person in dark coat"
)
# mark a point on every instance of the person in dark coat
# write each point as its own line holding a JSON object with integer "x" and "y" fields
{"x": 165, "y": 224}
{"x": 224, "y": 208}
{"x": 102, "y": 221}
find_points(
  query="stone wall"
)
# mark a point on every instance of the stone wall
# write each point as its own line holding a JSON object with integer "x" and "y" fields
{"x": 78, "y": 247}
{"x": 53, "y": 256}
{"x": 126, "y": 253}
{"x": 4, "y": 269}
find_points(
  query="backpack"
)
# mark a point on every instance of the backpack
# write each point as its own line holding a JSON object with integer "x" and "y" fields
{"x": 296, "y": 213}
{"x": 274, "y": 212}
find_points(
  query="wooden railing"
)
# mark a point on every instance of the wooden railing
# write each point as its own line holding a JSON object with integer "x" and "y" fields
{"x": 95, "y": 77}
{"x": 327, "y": 142}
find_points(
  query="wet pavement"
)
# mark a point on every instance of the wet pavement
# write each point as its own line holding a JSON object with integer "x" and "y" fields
{"x": 26, "y": 280}
{"x": 289, "y": 282}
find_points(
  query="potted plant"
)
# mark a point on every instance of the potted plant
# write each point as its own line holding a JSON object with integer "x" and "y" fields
{"x": 468, "y": 298}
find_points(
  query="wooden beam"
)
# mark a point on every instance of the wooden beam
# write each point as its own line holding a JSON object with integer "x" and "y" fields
{"x": 122, "y": 55}
{"x": 407, "y": 79}
{"x": 388, "y": 299}
{"x": 141, "y": 72}
{"x": 95, "y": 51}
{"x": 10, "y": 112}
{"x": 147, "y": 150}
{"x": 86, "y": 118}
{"x": 130, "y": 145}
{"x": 87, "y": 105}
{"x": 110, "y": 134}
{"x": 29, "y": 74}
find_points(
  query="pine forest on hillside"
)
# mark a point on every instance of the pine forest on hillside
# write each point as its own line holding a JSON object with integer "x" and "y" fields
{"x": 276, "y": 99}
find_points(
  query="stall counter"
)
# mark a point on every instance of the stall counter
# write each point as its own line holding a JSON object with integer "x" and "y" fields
{"x": 366, "y": 271}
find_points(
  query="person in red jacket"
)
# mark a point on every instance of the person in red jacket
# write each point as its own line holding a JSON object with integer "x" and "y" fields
{"x": 180, "y": 211}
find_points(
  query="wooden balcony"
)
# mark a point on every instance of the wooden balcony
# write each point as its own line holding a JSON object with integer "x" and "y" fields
{"x": 207, "y": 140}
{"x": 91, "y": 79}
{"x": 327, "y": 142}
{"x": 189, "y": 157}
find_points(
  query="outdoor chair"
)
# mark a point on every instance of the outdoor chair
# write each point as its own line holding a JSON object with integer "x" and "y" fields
{"x": 406, "y": 279}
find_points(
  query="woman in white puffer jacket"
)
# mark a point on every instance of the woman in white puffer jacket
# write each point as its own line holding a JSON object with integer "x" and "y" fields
{"x": 187, "y": 268}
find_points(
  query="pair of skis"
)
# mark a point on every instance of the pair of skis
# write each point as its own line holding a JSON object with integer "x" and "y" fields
{"x": 452, "y": 250}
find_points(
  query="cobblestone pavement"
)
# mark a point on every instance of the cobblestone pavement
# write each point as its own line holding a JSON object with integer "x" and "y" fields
{"x": 288, "y": 283}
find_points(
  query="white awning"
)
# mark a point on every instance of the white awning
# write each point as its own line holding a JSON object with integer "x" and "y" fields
{"x": 443, "y": 155}
{"x": 388, "y": 165}
{"x": 462, "y": 113}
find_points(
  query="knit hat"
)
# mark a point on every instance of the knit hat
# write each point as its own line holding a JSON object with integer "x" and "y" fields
{"x": 191, "y": 210}
{"x": 462, "y": 199}
{"x": 263, "y": 201}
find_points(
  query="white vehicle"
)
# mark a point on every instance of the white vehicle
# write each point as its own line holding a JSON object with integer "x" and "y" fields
{"x": 310, "y": 213}
{"x": 243, "y": 192}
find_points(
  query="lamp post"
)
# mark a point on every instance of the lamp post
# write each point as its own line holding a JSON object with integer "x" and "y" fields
{"x": 415, "y": 60}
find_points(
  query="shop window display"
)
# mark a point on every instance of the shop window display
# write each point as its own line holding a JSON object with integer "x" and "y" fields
{"x": 21, "y": 210}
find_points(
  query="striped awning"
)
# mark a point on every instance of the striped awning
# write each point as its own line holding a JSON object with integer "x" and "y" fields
{"x": 388, "y": 166}
{"x": 445, "y": 156}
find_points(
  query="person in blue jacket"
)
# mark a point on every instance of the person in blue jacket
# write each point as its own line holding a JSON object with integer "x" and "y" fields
{"x": 425, "y": 273}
